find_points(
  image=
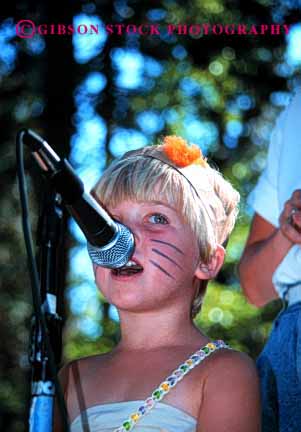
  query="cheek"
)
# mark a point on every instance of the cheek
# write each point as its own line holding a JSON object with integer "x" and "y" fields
{"x": 192, "y": 250}
{"x": 171, "y": 264}
{"x": 96, "y": 272}
{"x": 100, "y": 274}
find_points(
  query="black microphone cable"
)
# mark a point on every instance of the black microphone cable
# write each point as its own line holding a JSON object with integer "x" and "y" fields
{"x": 37, "y": 304}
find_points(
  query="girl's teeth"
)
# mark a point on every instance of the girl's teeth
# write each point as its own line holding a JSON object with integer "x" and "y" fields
{"x": 130, "y": 268}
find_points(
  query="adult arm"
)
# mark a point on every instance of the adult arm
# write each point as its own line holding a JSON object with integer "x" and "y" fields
{"x": 265, "y": 249}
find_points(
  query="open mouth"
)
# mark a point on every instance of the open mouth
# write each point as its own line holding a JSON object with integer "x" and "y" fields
{"x": 129, "y": 269}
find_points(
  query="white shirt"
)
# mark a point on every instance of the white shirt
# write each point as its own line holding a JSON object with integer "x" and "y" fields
{"x": 281, "y": 176}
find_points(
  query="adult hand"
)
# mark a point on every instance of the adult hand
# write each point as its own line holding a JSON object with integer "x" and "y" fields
{"x": 290, "y": 218}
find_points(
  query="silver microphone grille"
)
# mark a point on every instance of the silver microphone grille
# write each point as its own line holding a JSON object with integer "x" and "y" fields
{"x": 115, "y": 254}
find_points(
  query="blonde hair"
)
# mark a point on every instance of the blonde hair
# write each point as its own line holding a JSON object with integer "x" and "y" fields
{"x": 206, "y": 201}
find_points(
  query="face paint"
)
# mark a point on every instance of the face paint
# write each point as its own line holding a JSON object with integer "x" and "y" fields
{"x": 160, "y": 268}
{"x": 168, "y": 244}
{"x": 166, "y": 251}
{"x": 167, "y": 257}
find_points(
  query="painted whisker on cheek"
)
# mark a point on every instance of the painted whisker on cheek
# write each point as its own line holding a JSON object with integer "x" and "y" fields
{"x": 168, "y": 244}
{"x": 162, "y": 269}
{"x": 167, "y": 257}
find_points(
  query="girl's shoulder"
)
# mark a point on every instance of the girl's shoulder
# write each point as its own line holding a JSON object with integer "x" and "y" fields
{"x": 229, "y": 368}
{"x": 227, "y": 359}
{"x": 231, "y": 389}
{"x": 218, "y": 361}
{"x": 74, "y": 369}
{"x": 77, "y": 378}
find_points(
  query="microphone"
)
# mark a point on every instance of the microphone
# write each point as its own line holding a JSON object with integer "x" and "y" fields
{"x": 110, "y": 243}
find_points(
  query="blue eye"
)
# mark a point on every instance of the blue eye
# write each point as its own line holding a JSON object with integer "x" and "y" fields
{"x": 157, "y": 218}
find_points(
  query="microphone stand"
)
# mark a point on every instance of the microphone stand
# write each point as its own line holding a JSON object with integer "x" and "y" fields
{"x": 50, "y": 243}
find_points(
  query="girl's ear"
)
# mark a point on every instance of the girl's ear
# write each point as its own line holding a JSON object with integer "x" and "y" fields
{"x": 209, "y": 270}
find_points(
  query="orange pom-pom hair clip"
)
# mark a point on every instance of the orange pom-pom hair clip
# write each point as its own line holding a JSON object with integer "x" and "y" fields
{"x": 181, "y": 154}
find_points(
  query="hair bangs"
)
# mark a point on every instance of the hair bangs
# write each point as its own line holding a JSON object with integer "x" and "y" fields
{"x": 143, "y": 179}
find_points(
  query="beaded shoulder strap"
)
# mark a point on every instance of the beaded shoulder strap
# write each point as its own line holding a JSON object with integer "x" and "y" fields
{"x": 177, "y": 375}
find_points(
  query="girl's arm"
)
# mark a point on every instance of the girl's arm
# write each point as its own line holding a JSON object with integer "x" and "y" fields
{"x": 63, "y": 377}
{"x": 231, "y": 399}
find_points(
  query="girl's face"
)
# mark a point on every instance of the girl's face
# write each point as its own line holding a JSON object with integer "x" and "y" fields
{"x": 164, "y": 263}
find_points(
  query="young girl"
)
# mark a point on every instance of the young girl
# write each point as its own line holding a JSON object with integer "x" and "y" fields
{"x": 164, "y": 375}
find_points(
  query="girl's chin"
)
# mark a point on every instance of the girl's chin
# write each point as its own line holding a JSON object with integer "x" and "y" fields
{"x": 130, "y": 305}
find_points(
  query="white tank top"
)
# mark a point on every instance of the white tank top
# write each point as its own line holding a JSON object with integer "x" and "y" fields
{"x": 150, "y": 414}
{"x": 108, "y": 417}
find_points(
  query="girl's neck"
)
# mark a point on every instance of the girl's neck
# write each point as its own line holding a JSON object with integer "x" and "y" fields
{"x": 151, "y": 331}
